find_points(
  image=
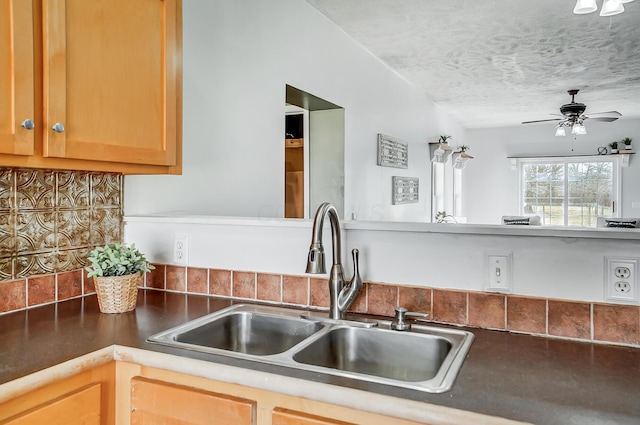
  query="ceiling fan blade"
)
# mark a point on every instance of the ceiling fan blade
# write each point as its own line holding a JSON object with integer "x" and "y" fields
{"x": 615, "y": 113}
{"x": 605, "y": 119}
{"x": 531, "y": 122}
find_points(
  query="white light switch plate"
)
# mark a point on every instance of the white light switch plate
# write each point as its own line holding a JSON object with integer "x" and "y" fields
{"x": 498, "y": 273}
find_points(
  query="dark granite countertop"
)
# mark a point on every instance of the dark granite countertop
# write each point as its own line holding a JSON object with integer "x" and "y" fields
{"x": 520, "y": 377}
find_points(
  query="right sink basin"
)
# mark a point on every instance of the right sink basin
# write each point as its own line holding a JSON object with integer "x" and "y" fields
{"x": 402, "y": 356}
{"x": 425, "y": 358}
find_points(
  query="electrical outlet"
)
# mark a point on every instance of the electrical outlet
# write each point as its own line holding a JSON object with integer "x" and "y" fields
{"x": 622, "y": 272}
{"x": 622, "y": 287}
{"x": 498, "y": 273}
{"x": 181, "y": 249}
{"x": 621, "y": 280}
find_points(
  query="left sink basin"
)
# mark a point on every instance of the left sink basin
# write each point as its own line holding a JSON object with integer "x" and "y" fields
{"x": 252, "y": 330}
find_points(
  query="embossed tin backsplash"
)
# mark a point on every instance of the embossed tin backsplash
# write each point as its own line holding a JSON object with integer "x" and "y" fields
{"x": 50, "y": 220}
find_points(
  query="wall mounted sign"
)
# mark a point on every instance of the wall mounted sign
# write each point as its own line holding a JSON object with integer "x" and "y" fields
{"x": 405, "y": 190}
{"x": 392, "y": 152}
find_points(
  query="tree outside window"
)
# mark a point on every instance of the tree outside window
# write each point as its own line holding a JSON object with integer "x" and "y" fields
{"x": 568, "y": 192}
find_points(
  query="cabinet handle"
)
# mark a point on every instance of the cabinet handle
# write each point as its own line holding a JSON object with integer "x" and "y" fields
{"x": 28, "y": 124}
{"x": 58, "y": 127}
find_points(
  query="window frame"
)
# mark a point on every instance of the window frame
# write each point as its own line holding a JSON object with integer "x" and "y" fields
{"x": 616, "y": 196}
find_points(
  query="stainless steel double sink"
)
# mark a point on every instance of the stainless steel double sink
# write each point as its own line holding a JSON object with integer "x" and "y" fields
{"x": 427, "y": 358}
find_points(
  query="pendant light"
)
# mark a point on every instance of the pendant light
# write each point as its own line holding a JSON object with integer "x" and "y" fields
{"x": 611, "y": 7}
{"x": 585, "y": 6}
{"x": 560, "y": 130}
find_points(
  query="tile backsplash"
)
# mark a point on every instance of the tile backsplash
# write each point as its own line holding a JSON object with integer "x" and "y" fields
{"x": 51, "y": 219}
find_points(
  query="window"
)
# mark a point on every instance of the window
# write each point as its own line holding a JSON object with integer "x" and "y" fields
{"x": 569, "y": 191}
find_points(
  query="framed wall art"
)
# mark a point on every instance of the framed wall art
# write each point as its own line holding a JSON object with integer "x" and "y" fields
{"x": 392, "y": 152}
{"x": 405, "y": 190}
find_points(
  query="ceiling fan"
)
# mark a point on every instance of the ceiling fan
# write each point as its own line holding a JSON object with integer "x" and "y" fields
{"x": 573, "y": 116}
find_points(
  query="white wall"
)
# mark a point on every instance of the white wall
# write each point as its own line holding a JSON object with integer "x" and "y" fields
{"x": 238, "y": 57}
{"x": 326, "y": 163}
{"x": 491, "y": 187}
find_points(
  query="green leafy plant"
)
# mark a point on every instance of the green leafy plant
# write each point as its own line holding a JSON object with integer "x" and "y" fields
{"x": 613, "y": 145}
{"x": 463, "y": 148}
{"x": 444, "y": 138}
{"x": 117, "y": 260}
{"x": 626, "y": 140}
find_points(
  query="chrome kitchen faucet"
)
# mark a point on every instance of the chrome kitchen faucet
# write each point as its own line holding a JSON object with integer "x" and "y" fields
{"x": 341, "y": 296}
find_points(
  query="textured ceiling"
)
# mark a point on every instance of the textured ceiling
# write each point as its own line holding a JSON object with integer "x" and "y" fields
{"x": 494, "y": 63}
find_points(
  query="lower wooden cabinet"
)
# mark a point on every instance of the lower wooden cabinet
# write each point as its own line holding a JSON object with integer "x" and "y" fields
{"x": 156, "y": 402}
{"x": 149, "y": 396}
{"x": 81, "y": 407}
{"x": 83, "y": 399}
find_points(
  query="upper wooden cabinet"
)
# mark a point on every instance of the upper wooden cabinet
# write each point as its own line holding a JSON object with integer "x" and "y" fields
{"x": 107, "y": 78}
{"x": 16, "y": 78}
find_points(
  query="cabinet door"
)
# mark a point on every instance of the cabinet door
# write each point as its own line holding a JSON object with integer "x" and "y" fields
{"x": 156, "y": 402}
{"x": 111, "y": 73}
{"x": 290, "y": 417}
{"x": 16, "y": 77}
{"x": 78, "y": 408}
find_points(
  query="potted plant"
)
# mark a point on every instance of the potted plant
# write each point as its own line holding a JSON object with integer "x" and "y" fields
{"x": 444, "y": 139}
{"x": 117, "y": 271}
{"x": 614, "y": 147}
{"x": 627, "y": 142}
{"x": 463, "y": 148}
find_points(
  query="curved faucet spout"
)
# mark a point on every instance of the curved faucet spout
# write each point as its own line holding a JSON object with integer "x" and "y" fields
{"x": 341, "y": 297}
{"x": 316, "y": 239}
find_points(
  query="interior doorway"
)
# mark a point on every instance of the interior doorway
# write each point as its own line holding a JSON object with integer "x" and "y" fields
{"x": 296, "y": 162}
{"x": 314, "y": 163}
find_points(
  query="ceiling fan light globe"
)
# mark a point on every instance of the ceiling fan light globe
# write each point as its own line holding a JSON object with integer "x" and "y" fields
{"x": 560, "y": 131}
{"x": 585, "y": 6}
{"x": 611, "y": 7}
{"x": 578, "y": 130}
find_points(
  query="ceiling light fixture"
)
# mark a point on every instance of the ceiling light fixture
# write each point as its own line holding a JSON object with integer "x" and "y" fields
{"x": 585, "y": 6}
{"x": 560, "y": 130}
{"x": 609, "y": 7}
{"x": 578, "y": 129}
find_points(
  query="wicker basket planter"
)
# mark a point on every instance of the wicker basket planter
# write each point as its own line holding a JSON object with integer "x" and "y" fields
{"x": 117, "y": 294}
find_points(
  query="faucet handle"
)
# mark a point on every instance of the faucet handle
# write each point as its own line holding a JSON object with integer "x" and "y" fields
{"x": 400, "y": 320}
{"x": 348, "y": 294}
